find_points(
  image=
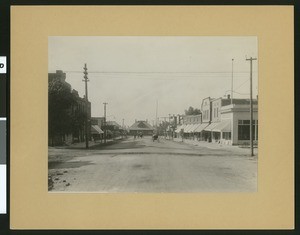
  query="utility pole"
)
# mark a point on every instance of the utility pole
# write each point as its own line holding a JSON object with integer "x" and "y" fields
{"x": 169, "y": 131}
{"x": 232, "y": 81}
{"x": 173, "y": 126}
{"x": 251, "y": 107}
{"x": 156, "y": 114}
{"x": 123, "y": 128}
{"x": 86, "y": 106}
{"x": 105, "y": 121}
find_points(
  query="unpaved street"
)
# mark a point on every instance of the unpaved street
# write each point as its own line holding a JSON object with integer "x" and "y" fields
{"x": 141, "y": 165}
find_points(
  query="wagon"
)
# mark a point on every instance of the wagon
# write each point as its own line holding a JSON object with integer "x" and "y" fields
{"x": 155, "y": 137}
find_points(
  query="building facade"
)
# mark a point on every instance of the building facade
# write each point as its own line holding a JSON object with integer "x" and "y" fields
{"x": 238, "y": 116}
{"x": 141, "y": 127}
{"x": 67, "y": 112}
{"x": 230, "y": 121}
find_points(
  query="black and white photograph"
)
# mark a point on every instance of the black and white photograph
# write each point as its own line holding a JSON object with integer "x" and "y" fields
{"x": 152, "y": 114}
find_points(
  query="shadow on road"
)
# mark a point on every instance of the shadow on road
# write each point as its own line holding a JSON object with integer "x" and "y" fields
{"x": 121, "y": 144}
{"x": 62, "y": 165}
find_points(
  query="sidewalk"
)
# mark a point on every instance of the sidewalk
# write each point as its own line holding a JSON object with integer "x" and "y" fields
{"x": 211, "y": 145}
{"x": 82, "y": 145}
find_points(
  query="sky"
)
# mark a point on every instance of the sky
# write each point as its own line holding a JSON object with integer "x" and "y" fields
{"x": 136, "y": 74}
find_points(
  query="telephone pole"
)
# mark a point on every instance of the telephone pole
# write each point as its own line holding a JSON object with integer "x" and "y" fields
{"x": 156, "y": 114}
{"x": 105, "y": 121}
{"x": 123, "y": 128}
{"x": 232, "y": 81}
{"x": 251, "y": 107}
{"x": 86, "y": 106}
{"x": 169, "y": 131}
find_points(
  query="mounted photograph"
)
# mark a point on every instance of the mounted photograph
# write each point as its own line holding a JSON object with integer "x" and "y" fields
{"x": 152, "y": 114}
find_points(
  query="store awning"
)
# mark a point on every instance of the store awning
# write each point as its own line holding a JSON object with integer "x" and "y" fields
{"x": 178, "y": 129}
{"x": 187, "y": 127}
{"x": 109, "y": 132}
{"x": 223, "y": 126}
{"x": 201, "y": 127}
{"x": 96, "y": 130}
{"x": 211, "y": 126}
{"x": 193, "y": 128}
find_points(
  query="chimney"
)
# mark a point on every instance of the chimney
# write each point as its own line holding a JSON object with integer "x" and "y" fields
{"x": 228, "y": 96}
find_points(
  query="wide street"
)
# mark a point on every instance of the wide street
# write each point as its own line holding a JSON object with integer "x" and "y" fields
{"x": 141, "y": 165}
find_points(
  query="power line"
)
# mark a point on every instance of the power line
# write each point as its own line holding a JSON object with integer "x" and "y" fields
{"x": 241, "y": 84}
{"x": 240, "y": 93}
{"x": 157, "y": 72}
{"x": 165, "y": 76}
{"x": 240, "y": 87}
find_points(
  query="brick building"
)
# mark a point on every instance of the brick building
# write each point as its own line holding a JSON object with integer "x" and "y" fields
{"x": 66, "y": 124}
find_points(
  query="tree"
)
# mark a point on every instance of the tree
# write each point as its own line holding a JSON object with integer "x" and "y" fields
{"x": 60, "y": 101}
{"x": 192, "y": 111}
{"x": 162, "y": 127}
{"x": 77, "y": 122}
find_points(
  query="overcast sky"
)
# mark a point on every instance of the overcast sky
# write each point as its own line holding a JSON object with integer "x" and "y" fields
{"x": 132, "y": 73}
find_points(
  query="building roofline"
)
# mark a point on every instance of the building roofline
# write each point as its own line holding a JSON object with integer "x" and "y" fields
{"x": 217, "y": 98}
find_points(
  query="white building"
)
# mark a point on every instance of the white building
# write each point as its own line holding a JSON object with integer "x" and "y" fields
{"x": 234, "y": 127}
{"x": 229, "y": 121}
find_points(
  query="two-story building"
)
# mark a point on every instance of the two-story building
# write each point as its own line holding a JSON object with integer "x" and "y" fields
{"x": 75, "y": 113}
{"x": 235, "y": 126}
{"x": 188, "y": 125}
{"x": 206, "y": 109}
{"x": 223, "y": 127}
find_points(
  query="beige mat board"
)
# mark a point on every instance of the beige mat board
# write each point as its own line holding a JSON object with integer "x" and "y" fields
{"x": 32, "y": 207}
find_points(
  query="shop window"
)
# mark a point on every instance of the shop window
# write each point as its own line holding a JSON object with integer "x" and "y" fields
{"x": 216, "y": 135}
{"x": 256, "y": 132}
{"x": 244, "y": 130}
{"x": 226, "y": 135}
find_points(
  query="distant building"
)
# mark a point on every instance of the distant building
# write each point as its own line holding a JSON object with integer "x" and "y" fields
{"x": 98, "y": 121}
{"x": 189, "y": 125}
{"x": 206, "y": 110}
{"x": 113, "y": 129}
{"x": 113, "y": 125}
{"x": 141, "y": 127}
{"x": 96, "y": 125}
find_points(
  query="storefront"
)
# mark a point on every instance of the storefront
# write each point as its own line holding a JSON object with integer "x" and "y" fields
{"x": 222, "y": 132}
{"x": 208, "y": 132}
{"x": 200, "y": 131}
{"x": 239, "y": 118}
{"x": 96, "y": 132}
